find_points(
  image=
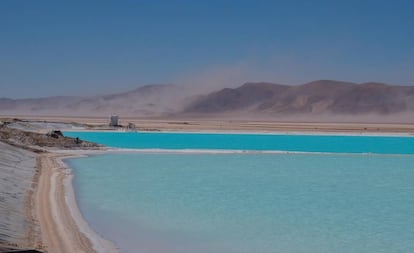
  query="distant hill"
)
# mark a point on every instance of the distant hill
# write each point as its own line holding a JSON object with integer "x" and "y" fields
{"x": 318, "y": 97}
{"x": 266, "y": 100}
{"x": 145, "y": 101}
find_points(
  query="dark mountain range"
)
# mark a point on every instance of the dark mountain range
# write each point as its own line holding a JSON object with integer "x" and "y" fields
{"x": 318, "y": 97}
{"x": 323, "y": 97}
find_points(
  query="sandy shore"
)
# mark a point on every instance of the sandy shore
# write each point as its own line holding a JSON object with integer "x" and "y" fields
{"x": 62, "y": 226}
{"x": 223, "y": 125}
{"x": 38, "y": 209}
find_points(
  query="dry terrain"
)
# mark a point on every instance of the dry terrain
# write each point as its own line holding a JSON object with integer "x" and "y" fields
{"x": 318, "y": 101}
{"x": 221, "y": 125}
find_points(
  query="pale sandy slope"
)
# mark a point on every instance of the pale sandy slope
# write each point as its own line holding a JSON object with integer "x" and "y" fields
{"x": 38, "y": 208}
{"x": 17, "y": 168}
{"x": 62, "y": 227}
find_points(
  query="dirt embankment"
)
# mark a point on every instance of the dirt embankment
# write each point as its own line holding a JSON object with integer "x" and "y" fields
{"x": 39, "y": 141}
{"x": 22, "y": 220}
{"x": 18, "y": 170}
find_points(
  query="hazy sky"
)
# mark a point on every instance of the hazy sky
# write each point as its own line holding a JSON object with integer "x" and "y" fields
{"x": 87, "y": 47}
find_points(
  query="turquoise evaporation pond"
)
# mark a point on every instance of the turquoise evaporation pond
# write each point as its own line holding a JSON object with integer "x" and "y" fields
{"x": 260, "y": 142}
{"x": 244, "y": 203}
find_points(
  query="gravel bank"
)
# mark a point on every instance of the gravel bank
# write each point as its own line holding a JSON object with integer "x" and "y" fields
{"x": 17, "y": 170}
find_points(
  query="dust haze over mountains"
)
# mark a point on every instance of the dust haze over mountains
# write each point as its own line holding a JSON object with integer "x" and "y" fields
{"x": 323, "y": 100}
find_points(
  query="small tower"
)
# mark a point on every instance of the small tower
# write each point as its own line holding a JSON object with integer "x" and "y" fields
{"x": 113, "y": 122}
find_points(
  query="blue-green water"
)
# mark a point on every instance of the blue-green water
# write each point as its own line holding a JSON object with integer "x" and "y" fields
{"x": 189, "y": 202}
{"x": 298, "y": 143}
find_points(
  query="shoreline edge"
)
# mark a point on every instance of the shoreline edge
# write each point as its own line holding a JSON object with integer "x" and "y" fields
{"x": 63, "y": 228}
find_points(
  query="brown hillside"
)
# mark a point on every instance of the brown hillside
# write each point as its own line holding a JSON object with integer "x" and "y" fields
{"x": 317, "y": 97}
